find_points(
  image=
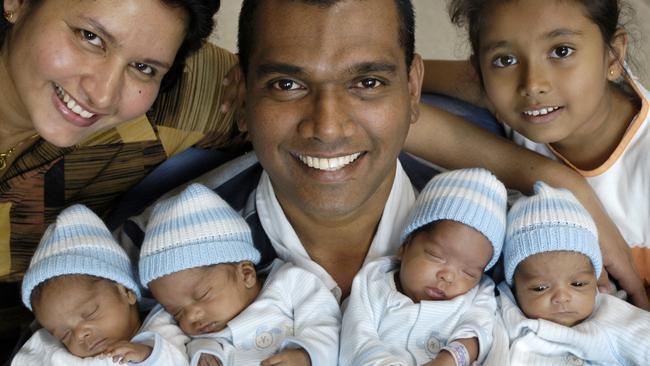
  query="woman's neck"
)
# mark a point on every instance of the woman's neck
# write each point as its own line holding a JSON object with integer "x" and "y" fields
{"x": 15, "y": 124}
{"x": 593, "y": 145}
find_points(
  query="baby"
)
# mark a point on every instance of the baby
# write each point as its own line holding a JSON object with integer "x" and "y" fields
{"x": 554, "y": 313}
{"x": 198, "y": 260}
{"x": 81, "y": 289}
{"x": 432, "y": 304}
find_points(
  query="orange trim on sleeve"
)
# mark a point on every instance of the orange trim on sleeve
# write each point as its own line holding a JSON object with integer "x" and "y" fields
{"x": 622, "y": 145}
{"x": 641, "y": 257}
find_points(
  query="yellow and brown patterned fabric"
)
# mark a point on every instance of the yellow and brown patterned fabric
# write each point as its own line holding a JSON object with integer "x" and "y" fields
{"x": 46, "y": 179}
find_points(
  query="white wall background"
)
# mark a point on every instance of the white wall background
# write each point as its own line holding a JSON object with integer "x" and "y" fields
{"x": 437, "y": 38}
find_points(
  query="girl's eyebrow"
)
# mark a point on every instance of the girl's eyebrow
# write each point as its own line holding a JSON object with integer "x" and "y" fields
{"x": 494, "y": 45}
{"x": 556, "y": 33}
{"x": 562, "y": 32}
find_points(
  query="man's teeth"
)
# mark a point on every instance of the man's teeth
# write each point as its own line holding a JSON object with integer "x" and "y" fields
{"x": 541, "y": 112}
{"x": 328, "y": 164}
{"x": 72, "y": 104}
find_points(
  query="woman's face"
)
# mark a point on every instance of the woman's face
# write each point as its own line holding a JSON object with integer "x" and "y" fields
{"x": 82, "y": 66}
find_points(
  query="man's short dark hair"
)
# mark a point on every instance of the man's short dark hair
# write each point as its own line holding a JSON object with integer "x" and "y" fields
{"x": 246, "y": 35}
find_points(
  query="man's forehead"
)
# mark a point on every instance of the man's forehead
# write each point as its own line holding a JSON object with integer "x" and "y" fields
{"x": 348, "y": 35}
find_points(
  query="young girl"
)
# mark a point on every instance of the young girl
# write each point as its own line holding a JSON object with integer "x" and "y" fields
{"x": 555, "y": 74}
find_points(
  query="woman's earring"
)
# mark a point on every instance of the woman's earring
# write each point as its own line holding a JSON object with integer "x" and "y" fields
{"x": 9, "y": 15}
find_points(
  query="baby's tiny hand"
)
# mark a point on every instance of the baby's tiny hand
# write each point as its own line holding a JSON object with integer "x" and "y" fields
{"x": 208, "y": 360}
{"x": 123, "y": 352}
{"x": 289, "y": 357}
{"x": 443, "y": 358}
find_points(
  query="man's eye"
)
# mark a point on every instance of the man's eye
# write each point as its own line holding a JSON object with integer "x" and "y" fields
{"x": 562, "y": 52}
{"x": 504, "y": 61}
{"x": 91, "y": 38}
{"x": 369, "y": 83}
{"x": 285, "y": 85}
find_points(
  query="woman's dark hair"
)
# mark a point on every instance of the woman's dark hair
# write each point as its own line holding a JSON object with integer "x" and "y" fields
{"x": 470, "y": 14}
{"x": 247, "y": 31}
{"x": 199, "y": 26}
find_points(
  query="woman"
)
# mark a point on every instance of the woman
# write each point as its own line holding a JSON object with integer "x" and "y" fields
{"x": 77, "y": 78}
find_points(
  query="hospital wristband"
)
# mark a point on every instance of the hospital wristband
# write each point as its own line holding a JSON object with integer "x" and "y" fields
{"x": 459, "y": 352}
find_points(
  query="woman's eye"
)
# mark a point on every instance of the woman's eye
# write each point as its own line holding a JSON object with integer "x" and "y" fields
{"x": 91, "y": 38}
{"x": 562, "y": 52}
{"x": 285, "y": 85}
{"x": 505, "y": 61}
{"x": 369, "y": 83}
{"x": 144, "y": 68}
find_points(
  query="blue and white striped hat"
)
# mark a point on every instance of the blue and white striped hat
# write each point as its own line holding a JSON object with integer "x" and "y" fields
{"x": 78, "y": 243}
{"x": 551, "y": 220}
{"x": 193, "y": 229}
{"x": 474, "y": 197}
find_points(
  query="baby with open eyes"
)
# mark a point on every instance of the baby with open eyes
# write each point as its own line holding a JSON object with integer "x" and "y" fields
{"x": 198, "y": 260}
{"x": 551, "y": 310}
{"x": 432, "y": 304}
{"x": 81, "y": 289}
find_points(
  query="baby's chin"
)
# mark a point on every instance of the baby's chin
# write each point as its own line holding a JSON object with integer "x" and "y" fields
{"x": 96, "y": 350}
{"x": 568, "y": 320}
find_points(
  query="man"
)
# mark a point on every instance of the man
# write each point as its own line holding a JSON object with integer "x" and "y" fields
{"x": 331, "y": 89}
{"x": 327, "y": 113}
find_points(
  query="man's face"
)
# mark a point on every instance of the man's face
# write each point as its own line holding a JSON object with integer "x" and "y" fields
{"x": 329, "y": 103}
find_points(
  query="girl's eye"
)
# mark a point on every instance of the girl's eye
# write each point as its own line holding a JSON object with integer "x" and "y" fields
{"x": 505, "y": 61}
{"x": 144, "y": 68}
{"x": 579, "y": 284}
{"x": 91, "y": 38}
{"x": 285, "y": 85}
{"x": 562, "y": 52}
{"x": 369, "y": 83}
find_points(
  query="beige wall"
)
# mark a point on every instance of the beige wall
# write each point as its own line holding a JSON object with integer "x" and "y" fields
{"x": 437, "y": 38}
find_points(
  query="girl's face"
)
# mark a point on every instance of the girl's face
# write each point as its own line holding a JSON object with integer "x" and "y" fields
{"x": 546, "y": 69}
{"x": 83, "y": 66}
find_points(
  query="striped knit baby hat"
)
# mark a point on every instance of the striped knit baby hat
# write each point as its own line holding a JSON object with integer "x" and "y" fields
{"x": 550, "y": 220}
{"x": 78, "y": 243}
{"x": 193, "y": 229}
{"x": 474, "y": 197}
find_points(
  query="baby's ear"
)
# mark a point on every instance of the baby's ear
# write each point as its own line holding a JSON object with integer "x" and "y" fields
{"x": 128, "y": 294}
{"x": 246, "y": 271}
